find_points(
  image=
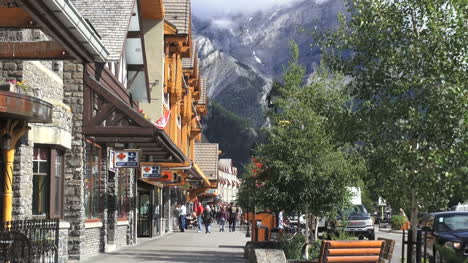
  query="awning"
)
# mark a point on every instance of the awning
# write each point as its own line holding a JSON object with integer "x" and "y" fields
{"x": 110, "y": 118}
{"x": 196, "y": 171}
{"x": 22, "y": 107}
{"x": 60, "y": 20}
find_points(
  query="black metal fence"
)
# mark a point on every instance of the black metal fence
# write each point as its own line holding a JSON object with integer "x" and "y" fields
{"x": 416, "y": 250}
{"x": 34, "y": 241}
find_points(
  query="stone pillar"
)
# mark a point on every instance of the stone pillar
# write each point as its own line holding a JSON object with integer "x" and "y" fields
{"x": 112, "y": 192}
{"x": 74, "y": 211}
{"x": 167, "y": 209}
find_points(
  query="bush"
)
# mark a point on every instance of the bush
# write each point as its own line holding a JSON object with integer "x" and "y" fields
{"x": 397, "y": 222}
{"x": 292, "y": 246}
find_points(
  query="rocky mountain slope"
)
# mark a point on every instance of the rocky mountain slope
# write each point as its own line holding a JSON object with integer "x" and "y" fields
{"x": 241, "y": 55}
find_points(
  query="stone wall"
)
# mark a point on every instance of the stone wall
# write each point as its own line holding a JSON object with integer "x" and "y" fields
{"x": 74, "y": 184}
{"x": 91, "y": 241}
{"x": 23, "y": 181}
{"x": 121, "y": 236}
{"x": 63, "y": 242}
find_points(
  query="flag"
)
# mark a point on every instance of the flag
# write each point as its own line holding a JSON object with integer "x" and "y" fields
{"x": 162, "y": 122}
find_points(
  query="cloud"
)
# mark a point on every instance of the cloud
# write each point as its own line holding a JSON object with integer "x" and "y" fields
{"x": 223, "y": 7}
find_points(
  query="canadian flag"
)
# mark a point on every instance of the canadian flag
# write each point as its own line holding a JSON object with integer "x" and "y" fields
{"x": 162, "y": 122}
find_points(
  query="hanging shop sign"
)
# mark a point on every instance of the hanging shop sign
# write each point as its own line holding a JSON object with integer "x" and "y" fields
{"x": 127, "y": 159}
{"x": 112, "y": 162}
{"x": 151, "y": 171}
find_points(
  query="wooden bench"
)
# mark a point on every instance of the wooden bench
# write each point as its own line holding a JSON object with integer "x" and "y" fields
{"x": 358, "y": 251}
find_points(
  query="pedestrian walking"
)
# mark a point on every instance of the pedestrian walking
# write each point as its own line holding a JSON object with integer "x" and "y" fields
{"x": 233, "y": 217}
{"x": 175, "y": 217}
{"x": 199, "y": 212}
{"x": 207, "y": 219}
{"x": 228, "y": 211}
{"x": 222, "y": 218}
{"x": 182, "y": 215}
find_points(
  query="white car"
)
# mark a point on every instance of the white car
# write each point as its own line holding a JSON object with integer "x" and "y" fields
{"x": 459, "y": 207}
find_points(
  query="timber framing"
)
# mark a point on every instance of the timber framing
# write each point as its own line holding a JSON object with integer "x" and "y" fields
{"x": 15, "y": 17}
{"x": 52, "y": 22}
{"x": 34, "y": 50}
{"x": 112, "y": 119}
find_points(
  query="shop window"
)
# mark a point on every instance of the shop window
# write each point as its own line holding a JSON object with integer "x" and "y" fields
{"x": 93, "y": 194}
{"x": 47, "y": 199}
{"x": 123, "y": 194}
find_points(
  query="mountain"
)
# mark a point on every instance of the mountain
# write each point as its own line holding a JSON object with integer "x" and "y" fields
{"x": 242, "y": 54}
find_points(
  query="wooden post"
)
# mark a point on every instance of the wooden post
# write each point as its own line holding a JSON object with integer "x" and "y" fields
{"x": 11, "y": 133}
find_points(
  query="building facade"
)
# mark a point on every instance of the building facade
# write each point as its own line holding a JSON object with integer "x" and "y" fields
{"x": 229, "y": 183}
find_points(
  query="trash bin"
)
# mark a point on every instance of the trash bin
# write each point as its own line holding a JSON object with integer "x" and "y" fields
{"x": 262, "y": 233}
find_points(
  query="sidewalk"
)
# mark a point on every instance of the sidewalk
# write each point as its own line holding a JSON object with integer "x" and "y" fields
{"x": 189, "y": 246}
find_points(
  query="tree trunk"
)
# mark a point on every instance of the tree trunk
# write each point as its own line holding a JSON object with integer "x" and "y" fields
{"x": 414, "y": 220}
{"x": 307, "y": 230}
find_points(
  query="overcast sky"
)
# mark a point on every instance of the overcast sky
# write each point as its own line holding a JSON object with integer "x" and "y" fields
{"x": 220, "y": 7}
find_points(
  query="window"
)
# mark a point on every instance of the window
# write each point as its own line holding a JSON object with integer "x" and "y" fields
{"x": 122, "y": 193}
{"x": 47, "y": 199}
{"x": 93, "y": 193}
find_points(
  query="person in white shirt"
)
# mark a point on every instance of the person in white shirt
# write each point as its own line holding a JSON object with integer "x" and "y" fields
{"x": 182, "y": 214}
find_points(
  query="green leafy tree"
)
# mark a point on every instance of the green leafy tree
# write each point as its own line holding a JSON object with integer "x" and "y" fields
{"x": 306, "y": 169}
{"x": 408, "y": 64}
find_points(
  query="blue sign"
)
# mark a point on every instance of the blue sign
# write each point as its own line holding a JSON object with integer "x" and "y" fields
{"x": 127, "y": 159}
{"x": 150, "y": 171}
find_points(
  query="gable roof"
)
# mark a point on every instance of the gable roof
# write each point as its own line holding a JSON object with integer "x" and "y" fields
{"x": 206, "y": 157}
{"x": 110, "y": 19}
{"x": 179, "y": 13}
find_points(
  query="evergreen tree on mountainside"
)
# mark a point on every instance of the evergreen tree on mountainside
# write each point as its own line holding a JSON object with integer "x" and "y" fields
{"x": 234, "y": 134}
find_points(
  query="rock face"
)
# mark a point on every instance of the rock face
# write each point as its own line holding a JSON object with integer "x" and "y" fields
{"x": 242, "y": 54}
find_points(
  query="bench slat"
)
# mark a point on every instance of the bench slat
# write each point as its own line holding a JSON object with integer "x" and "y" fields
{"x": 354, "y": 251}
{"x": 355, "y": 243}
{"x": 355, "y": 259}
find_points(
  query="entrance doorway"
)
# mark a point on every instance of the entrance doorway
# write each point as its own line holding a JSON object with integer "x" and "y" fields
{"x": 144, "y": 214}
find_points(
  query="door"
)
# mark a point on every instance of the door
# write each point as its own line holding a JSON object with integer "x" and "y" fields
{"x": 144, "y": 214}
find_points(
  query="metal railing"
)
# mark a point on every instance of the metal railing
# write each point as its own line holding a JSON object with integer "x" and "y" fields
{"x": 34, "y": 241}
{"x": 415, "y": 250}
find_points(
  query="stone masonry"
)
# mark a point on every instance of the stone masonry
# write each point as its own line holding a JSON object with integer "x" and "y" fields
{"x": 74, "y": 185}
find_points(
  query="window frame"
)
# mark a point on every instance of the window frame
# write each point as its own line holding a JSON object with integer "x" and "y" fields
{"x": 100, "y": 208}
{"x": 52, "y": 153}
{"x": 125, "y": 203}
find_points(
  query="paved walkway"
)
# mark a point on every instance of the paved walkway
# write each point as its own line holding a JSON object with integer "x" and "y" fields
{"x": 189, "y": 246}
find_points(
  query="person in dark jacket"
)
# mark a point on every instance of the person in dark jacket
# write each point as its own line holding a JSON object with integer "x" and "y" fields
{"x": 223, "y": 216}
{"x": 207, "y": 219}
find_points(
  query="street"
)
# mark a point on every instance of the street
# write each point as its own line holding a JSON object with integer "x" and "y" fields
{"x": 391, "y": 235}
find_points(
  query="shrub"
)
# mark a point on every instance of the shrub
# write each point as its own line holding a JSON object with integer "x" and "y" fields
{"x": 397, "y": 222}
{"x": 292, "y": 246}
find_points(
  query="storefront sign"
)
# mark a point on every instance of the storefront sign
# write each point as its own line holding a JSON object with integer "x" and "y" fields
{"x": 151, "y": 171}
{"x": 127, "y": 159}
{"x": 112, "y": 161}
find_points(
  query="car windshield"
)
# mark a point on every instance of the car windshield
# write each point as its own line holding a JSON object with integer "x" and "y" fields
{"x": 448, "y": 223}
{"x": 357, "y": 210}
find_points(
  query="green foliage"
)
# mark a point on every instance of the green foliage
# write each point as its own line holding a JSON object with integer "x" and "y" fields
{"x": 234, "y": 134}
{"x": 307, "y": 167}
{"x": 292, "y": 247}
{"x": 397, "y": 222}
{"x": 450, "y": 255}
{"x": 314, "y": 249}
{"x": 407, "y": 61}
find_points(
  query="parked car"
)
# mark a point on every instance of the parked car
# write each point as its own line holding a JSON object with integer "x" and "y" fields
{"x": 357, "y": 222}
{"x": 459, "y": 207}
{"x": 446, "y": 229}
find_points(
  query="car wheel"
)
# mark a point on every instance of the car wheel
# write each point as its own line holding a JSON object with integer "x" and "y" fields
{"x": 371, "y": 236}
